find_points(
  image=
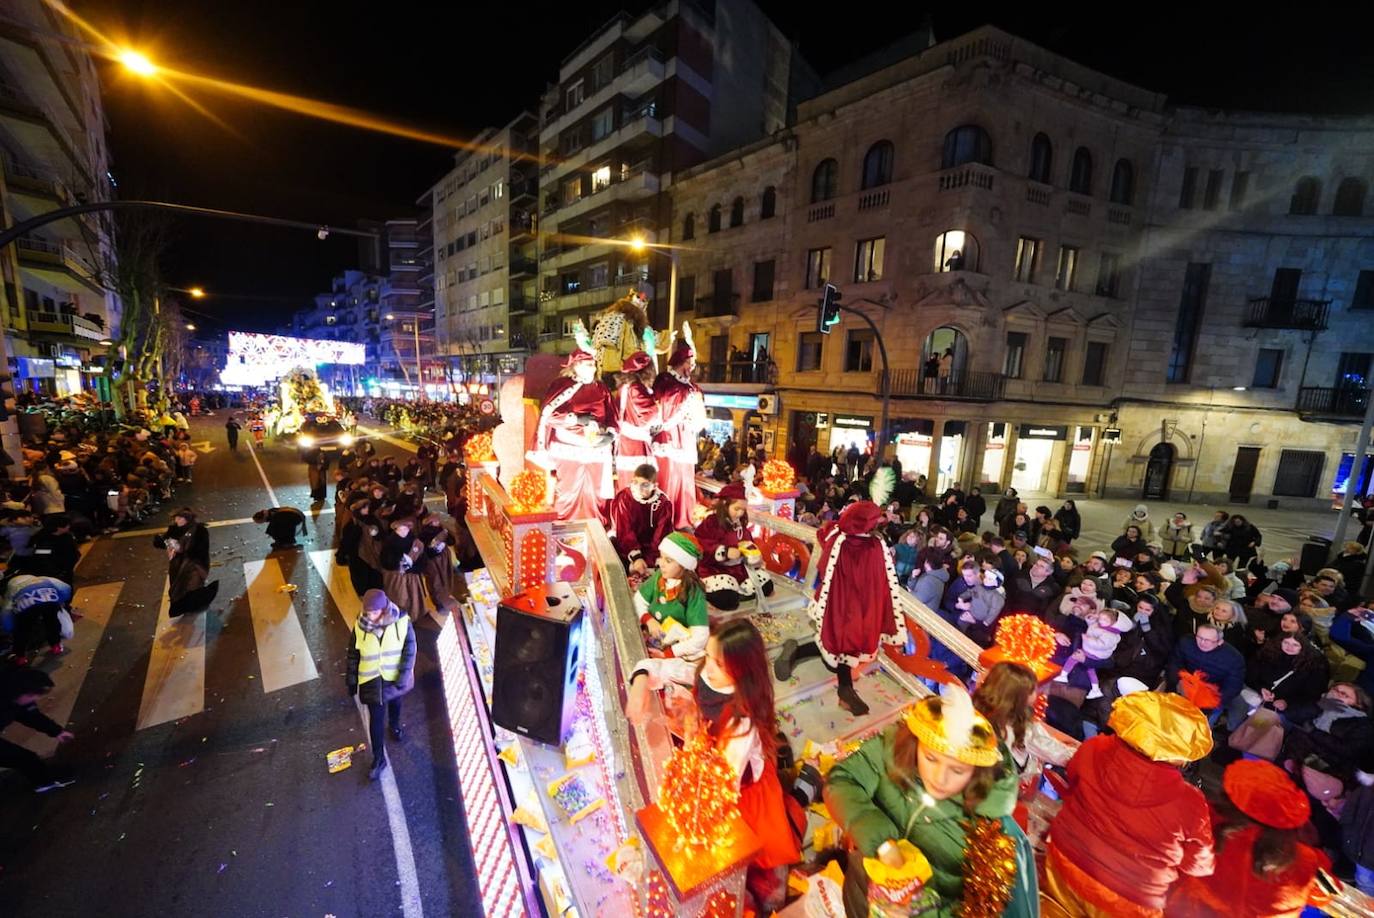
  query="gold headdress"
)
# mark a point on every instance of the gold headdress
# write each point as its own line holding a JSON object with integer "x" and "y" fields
{"x": 951, "y": 726}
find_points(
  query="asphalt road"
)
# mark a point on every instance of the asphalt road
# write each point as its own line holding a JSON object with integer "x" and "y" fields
{"x": 231, "y": 810}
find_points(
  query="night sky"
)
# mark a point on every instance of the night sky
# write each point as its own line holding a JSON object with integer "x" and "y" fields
{"x": 464, "y": 68}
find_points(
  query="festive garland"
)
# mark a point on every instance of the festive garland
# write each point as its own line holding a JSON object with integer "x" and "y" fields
{"x": 989, "y": 869}
{"x": 699, "y": 794}
{"x": 778, "y": 475}
{"x": 528, "y": 491}
{"x": 479, "y": 448}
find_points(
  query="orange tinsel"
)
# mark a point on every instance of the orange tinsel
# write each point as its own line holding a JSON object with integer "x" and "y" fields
{"x": 778, "y": 475}
{"x": 1025, "y": 639}
{"x": 479, "y": 448}
{"x": 989, "y": 869}
{"x": 528, "y": 491}
{"x": 699, "y": 793}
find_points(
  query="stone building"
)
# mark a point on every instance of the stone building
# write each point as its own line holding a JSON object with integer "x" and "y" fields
{"x": 1010, "y": 223}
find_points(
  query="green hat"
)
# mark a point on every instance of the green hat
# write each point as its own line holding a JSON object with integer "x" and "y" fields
{"x": 682, "y": 548}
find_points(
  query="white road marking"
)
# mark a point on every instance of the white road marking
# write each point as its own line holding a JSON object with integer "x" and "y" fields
{"x": 336, "y": 580}
{"x": 265, "y": 483}
{"x": 411, "y": 905}
{"x": 95, "y": 603}
{"x": 175, "y": 684}
{"x": 135, "y": 533}
{"x": 283, "y": 653}
{"x": 380, "y": 435}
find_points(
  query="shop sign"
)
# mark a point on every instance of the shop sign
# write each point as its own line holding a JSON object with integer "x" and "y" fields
{"x": 68, "y": 360}
{"x": 854, "y": 423}
{"x": 742, "y": 402}
{"x": 36, "y": 367}
{"x": 1111, "y": 435}
{"x": 1044, "y": 432}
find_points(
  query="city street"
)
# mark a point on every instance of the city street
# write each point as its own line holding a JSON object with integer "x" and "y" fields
{"x": 201, "y": 780}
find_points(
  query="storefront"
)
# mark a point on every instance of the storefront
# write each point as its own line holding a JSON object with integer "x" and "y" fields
{"x": 737, "y": 416}
{"x": 1080, "y": 460}
{"x": 850, "y": 430}
{"x": 994, "y": 459}
{"x": 1034, "y": 457}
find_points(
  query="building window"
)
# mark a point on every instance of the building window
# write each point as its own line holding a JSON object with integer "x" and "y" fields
{"x": 1055, "y": 351}
{"x": 1189, "y": 189}
{"x": 1015, "y": 363}
{"x": 858, "y": 351}
{"x": 1067, "y": 269}
{"x": 1081, "y": 175}
{"x": 573, "y": 96}
{"x": 817, "y": 268}
{"x": 571, "y": 283}
{"x": 1094, "y": 363}
{"x": 603, "y": 122}
{"x": 1267, "y": 368}
{"x": 713, "y": 220}
{"x": 1211, "y": 195}
{"x": 1109, "y": 274}
{"x": 689, "y": 227}
{"x": 763, "y": 281}
{"x": 868, "y": 260}
{"x": 737, "y": 212}
{"x": 723, "y": 292}
{"x": 601, "y": 178}
{"x": 1042, "y": 159}
{"x": 603, "y": 71}
{"x": 1349, "y": 198}
{"x": 809, "y": 346}
{"x": 572, "y": 193}
{"x": 1305, "y": 197}
{"x": 823, "y": 181}
{"x": 1364, "y": 291}
{"x": 1191, "y": 305}
{"x": 1299, "y": 473}
{"x": 877, "y": 165}
{"x": 598, "y": 275}
{"x": 966, "y": 144}
{"x": 686, "y": 293}
{"x": 1240, "y": 183}
{"x": 1123, "y": 183}
{"x": 769, "y": 205}
{"x": 956, "y": 250}
{"x": 1027, "y": 259}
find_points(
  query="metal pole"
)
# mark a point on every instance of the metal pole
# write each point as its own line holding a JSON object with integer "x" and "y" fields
{"x": 1356, "y": 470}
{"x": 1202, "y": 438}
{"x": 672, "y": 292}
{"x": 419, "y": 374}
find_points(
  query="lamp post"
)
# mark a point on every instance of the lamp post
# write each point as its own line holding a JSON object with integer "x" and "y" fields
{"x": 639, "y": 244}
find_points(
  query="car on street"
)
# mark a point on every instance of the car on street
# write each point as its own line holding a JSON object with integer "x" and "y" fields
{"x": 322, "y": 433}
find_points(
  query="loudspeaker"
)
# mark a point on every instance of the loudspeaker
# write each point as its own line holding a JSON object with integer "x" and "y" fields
{"x": 538, "y": 654}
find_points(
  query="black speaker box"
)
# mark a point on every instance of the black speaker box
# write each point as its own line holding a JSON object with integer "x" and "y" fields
{"x": 538, "y": 654}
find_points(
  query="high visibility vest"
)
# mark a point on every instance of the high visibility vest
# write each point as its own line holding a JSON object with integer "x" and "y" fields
{"x": 381, "y": 655}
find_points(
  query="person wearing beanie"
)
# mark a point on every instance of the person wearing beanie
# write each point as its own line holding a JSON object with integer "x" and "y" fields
{"x": 856, "y": 607}
{"x": 730, "y": 563}
{"x": 573, "y": 439}
{"x": 1263, "y": 869}
{"x": 684, "y": 415}
{"x": 641, "y": 517}
{"x": 380, "y": 669}
{"x": 925, "y": 780}
{"x": 1130, "y": 824}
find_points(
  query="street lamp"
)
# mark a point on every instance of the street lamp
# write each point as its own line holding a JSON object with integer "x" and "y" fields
{"x": 197, "y": 293}
{"x": 639, "y": 244}
{"x": 190, "y": 326}
{"x": 390, "y": 316}
{"x": 136, "y": 62}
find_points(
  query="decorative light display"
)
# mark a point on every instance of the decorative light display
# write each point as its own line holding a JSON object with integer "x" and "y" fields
{"x": 534, "y": 559}
{"x": 529, "y": 491}
{"x": 989, "y": 869}
{"x": 778, "y": 475}
{"x": 659, "y": 905}
{"x": 1026, "y": 639}
{"x": 254, "y": 359}
{"x": 479, "y": 448}
{"x": 699, "y": 794}
{"x": 722, "y": 904}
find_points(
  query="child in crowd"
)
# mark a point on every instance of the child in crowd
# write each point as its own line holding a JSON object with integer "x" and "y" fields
{"x": 1097, "y": 643}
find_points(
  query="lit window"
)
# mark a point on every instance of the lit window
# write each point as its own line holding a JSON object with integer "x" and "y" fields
{"x": 601, "y": 178}
{"x": 868, "y": 260}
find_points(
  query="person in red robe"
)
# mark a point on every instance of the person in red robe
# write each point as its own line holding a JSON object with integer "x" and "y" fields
{"x": 574, "y": 439}
{"x": 855, "y": 607}
{"x": 730, "y": 567}
{"x": 1262, "y": 868}
{"x": 684, "y": 416}
{"x": 641, "y": 518}
{"x": 638, "y": 417}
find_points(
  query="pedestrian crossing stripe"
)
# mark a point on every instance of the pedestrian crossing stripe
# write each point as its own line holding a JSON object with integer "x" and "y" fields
{"x": 175, "y": 684}
{"x": 284, "y": 656}
{"x": 336, "y": 580}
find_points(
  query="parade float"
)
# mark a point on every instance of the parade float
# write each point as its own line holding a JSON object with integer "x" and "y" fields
{"x": 570, "y": 809}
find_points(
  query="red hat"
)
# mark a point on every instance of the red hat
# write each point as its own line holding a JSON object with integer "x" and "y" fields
{"x": 862, "y": 516}
{"x": 636, "y": 362}
{"x": 579, "y": 356}
{"x": 682, "y": 351}
{"x": 733, "y": 491}
{"x": 1264, "y": 792}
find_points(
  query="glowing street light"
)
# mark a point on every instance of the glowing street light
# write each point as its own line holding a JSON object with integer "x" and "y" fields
{"x": 638, "y": 244}
{"x": 197, "y": 293}
{"x": 137, "y": 62}
{"x": 390, "y": 316}
{"x": 190, "y": 326}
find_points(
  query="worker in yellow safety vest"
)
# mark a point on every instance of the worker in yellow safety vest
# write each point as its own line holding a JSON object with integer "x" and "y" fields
{"x": 381, "y": 668}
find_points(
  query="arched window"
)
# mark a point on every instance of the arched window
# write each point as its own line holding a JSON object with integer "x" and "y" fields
{"x": 1305, "y": 196}
{"x": 956, "y": 250}
{"x": 1123, "y": 183}
{"x": 878, "y": 165}
{"x": 967, "y": 143}
{"x": 823, "y": 181}
{"x": 689, "y": 226}
{"x": 1081, "y": 176}
{"x": 713, "y": 222}
{"x": 1042, "y": 159}
{"x": 1350, "y": 198}
{"x": 769, "y": 205}
{"x": 737, "y": 212}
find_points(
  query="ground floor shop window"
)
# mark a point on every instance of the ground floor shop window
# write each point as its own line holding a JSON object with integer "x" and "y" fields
{"x": 1300, "y": 470}
{"x": 1080, "y": 460}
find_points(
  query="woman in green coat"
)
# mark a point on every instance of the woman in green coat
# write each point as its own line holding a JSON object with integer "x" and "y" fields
{"x": 928, "y": 779}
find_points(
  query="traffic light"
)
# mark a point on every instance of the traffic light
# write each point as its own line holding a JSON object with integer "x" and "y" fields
{"x": 830, "y": 309}
{"x": 7, "y": 403}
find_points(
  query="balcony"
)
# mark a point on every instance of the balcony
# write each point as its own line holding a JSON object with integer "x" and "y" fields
{"x": 1301, "y": 315}
{"x": 874, "y": 199}
{"x": 635, "y": 183}
{"x": 523, "y": 224}
{"x": 60, "y": 256}
{"x": 641, "y": 72}
{"x": 520, "y": 305}
{"x": 523, "y": 267}
{"x": 523, "y": 189}
{"x": 742, "y": 372}
{"x": 639, "y": 127}
{"x": 823, "y": 211}
{"x": 65, "y": 324}
{"x": 968, "y": 385}
{"x": 717, "y": 305}
{"x": 1333, "y": 402}
{"x": 968, "y": 176}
